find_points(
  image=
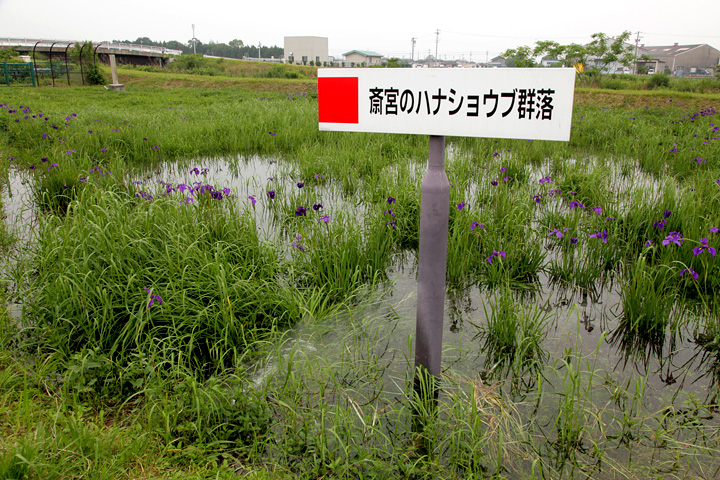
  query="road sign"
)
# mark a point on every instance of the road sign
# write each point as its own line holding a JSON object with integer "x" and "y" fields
{"x": 521, "y": 103}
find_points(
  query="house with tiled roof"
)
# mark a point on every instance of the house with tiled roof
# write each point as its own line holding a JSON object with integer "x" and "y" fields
{"x": 360, "y": 57}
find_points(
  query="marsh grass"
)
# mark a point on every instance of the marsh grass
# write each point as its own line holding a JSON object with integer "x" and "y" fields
{"x": 157, "y": 310}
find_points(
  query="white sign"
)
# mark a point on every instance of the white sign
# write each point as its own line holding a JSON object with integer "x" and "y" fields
{"x": 522, "y": 103}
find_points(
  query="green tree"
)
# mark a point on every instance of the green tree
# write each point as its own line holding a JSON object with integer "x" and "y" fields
{"x": 519, "y": 57}
{"x": 236, "y": 43}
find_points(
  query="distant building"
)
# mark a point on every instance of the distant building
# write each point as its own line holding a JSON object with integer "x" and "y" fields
{"x": 683, "y": 60}
{"x": 303, "y": 50}
{"x": 358, "y": 57}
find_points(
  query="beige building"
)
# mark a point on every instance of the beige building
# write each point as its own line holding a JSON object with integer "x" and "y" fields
{"x": 360, "y": 57}
{"x": 684, "y": 60}
{"x": 303, "y": 50}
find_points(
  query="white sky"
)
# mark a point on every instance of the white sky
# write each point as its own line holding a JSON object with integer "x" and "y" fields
{"x": 470, "y": 29}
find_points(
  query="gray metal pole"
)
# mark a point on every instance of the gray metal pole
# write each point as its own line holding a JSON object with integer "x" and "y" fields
{"x": 434, "y": 218}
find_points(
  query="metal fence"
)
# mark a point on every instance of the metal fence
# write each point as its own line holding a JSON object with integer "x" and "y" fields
{"x": 17, "y": 75}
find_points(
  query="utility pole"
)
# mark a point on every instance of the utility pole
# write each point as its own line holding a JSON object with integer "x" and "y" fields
{"x": 194, "y": 40}
{"x": 437, "y": 40}
{"x": 412, "y": 55}
{"x": 259, "y": 50}
{"x": 637, "y": 40}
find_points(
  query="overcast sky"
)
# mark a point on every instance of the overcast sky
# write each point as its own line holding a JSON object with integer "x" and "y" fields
{"x": 470, "y": 29}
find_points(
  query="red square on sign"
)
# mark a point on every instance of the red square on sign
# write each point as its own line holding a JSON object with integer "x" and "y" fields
{"x": 338, "y": 99}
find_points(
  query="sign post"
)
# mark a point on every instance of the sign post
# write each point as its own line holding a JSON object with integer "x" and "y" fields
{"x": 520, "y": 103}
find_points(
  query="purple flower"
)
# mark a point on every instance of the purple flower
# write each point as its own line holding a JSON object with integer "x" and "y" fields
{"x": 317, "y": 207}
{"x": 667, "y": 213}
{"x": 272, "y": 133}
{"x": 461, "y": 205}
{"x": 390, "y": 211}
{"x": 155, "y": 147}
{"x": 714, "y": 229}
{"x": 495, "y": 155}
{"x": 547, "y": 179}
{"x": 573, "y": 240}
{"x": 649, "y": 243}
{"x": 575, "y": 203}
{"x": 252, "y": 199}
{"x": 300, "y": 211}
{"x": 494, "y": 253}
{"x": 691, "y": 272}
{"x": 392, "y": 223}
{"x": 297, "y": 244}
{"x": 699, "y": 160}
{"x": 32, "y": 167}
{"x": 704, "y": 247}
{"x": 319, "y": 176}
{"x": 601, "y": 235}
{"x": 195, "y": 171}
{"x": 503, "y": 169}
{"x": 271, "y": 178}
{"x": 537, "y": 198}
{"x": 52, "y": 165}
{"x": 660, "y": 224}
{"x": 494, "y": 183}
{"x": 153, "y": 297}
{"x": 271, "y": 194}
{"x": 391, "y": 200}
{"x": 324, "y": 218}
{"x": 674, "y": 237}
{"x": 44, "y": 159}
{"x": 476, "y": 224}
{"x": 300, "y": 185}
{"x": 507, "y": 179}
{"x": 597, "y": 210}
{"x": 556, "y": 232}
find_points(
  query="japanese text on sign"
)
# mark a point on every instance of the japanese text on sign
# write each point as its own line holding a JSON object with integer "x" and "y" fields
{"x": 530, "y": 103}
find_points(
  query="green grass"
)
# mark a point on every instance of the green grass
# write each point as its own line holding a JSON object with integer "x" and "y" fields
{"x": 150, "y": 306}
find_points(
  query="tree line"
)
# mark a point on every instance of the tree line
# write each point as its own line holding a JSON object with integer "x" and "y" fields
{"x": 597, "y": 55}
{"x": 233, "y": 49}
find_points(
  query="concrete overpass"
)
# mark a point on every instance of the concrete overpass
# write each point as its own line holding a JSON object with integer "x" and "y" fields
{"x": 125, "y": 53}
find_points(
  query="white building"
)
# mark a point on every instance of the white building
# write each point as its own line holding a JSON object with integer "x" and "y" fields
{"x": 303, "y": 50}
{"x": 360, "y": 57}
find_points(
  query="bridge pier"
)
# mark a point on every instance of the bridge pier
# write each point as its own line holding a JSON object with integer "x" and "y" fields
{"x": 115, "y": 85}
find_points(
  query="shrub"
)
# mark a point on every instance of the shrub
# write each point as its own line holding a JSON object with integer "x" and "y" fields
{"x": 94, "y": 76}
{"x": 658, "y": 80}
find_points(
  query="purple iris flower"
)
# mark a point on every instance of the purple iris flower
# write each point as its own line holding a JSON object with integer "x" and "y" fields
{"x": 495, "y": 253}
{"x": 598, "y": 210}
{"x": 252, "y": 199}
{"x": 153, "y": 297}
{"x": 556, "y": 232}
{"x": 390, "y": 211}
{"x": 674, "y": 237}
{"x": 462, "y": 204}
{"x": 575, "y": 203}
{"x": 667, "y": 213}
{"x": 649, "y": 243}
{"x": 300, "y": 211}
{"x": 297, "y": 244}
{"x": 691, "y": 272}
{"x": 476, "y": 224}
{"x": 537, "y": 198}
{"x": 704, "y": 247}
{"x": 391, "y": 200}
{"x": 324, "y": 218}
{"x": 300, "y": 185}
{"x": 392, "y": 223}
{"x": 271, "y": 194}
{"x": 660, "y": 224}
{"x": 494, "y": 183}
{"x": 547, "y": 179}
{"x": 601, "y": 235}
{"x": 573, "y": 240}
{"x": 319, "y": 176}
{"x": 317, "y": 207}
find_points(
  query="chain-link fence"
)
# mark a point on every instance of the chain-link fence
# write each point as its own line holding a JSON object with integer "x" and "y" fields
{"x": 17, "y": 75}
